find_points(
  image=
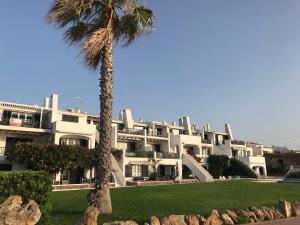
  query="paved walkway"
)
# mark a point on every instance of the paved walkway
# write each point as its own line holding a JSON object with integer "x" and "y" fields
{"x": 290, "y": 221}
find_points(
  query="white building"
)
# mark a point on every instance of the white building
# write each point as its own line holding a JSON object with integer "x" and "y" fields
{"x": 146, "y": 147}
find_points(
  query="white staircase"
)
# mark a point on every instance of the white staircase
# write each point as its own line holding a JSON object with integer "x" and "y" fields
{"x": 196, "y": 168}
{"x": 117, "y": 173}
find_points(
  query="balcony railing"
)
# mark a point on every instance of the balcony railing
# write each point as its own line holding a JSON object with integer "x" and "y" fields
{"x": 131, "y": 131}
{"x": 140, "y": 154}
{"x": 20, "y": 123}
{"x": 206, "y": 141}
{"x": 167, "y": 155}
{"x": 237, "y": 142}
{"x": 156, "y": 134}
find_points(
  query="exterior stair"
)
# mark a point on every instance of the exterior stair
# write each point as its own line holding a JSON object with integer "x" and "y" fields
{"x": 196, "y": 168}
{"x": 117, "y": 173}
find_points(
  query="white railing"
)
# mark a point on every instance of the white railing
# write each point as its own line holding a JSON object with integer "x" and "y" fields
{"x": 196, "y": 168}
{"x": 117, "y": 172}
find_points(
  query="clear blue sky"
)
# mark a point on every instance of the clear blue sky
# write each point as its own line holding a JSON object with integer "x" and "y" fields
{"x": 215, "y": 60}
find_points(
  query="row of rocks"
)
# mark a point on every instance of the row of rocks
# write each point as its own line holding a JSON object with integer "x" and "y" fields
{"x": 230, "y": 217}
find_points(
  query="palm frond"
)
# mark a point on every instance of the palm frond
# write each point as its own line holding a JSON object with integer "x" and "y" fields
{"x": 63, "y": 12}
{"x": 92, "y": 47}
{"x": 144, "y": 17}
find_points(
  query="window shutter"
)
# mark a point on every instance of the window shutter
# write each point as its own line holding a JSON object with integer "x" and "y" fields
{"x": 128, "y": 170}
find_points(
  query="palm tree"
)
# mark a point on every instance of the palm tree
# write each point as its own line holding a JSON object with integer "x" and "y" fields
{"x": 95, "y": 25}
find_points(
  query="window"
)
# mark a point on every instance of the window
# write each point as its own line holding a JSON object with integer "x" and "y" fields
{"x": 131, "y": 146}
{"x": 70, "y": 118}
{"x": 157, "y": 147}
{"x": 88, "y": 121}
{"x": 65, "y": 175}
{"x": 136, "y": 170}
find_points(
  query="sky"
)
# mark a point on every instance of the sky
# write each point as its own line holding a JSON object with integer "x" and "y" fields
{"x": 217, "y": 61}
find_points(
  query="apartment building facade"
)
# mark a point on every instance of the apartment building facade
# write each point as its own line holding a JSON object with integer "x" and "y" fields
{"x": 146, "y": 148}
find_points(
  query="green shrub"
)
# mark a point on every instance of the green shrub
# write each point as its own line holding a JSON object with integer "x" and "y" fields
{"x": 51, "y": 158}
{"x": 238, "y": 168}
{"x": 217, "y": 164}
{"x": 35, "y": 185}
{"x": 294, "y": 175}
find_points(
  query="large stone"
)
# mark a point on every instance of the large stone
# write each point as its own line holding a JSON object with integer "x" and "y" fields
{"x": 226, "y": 219}
{"x": 214, "y": 219}
{"x": 233, "y": 216}
{"x": 173, "y": 220}
{"x": 154, "y": 221}
{"x": 201, "y": 219}
{"x": 296, "y": 209}
{"x": 192, "y": 220}
{"x": 285, "y": 207}
{"x": 277, "y": 214}
{"x": 247, "y": 214}
{"x": 90, "y": 216}
{"x": 13, "y": 211}
{"x": 266, "y": 214}
{"x": 128, "y": 222}
{"x": 258, "y": 213}
{"x": 270, "y": 212}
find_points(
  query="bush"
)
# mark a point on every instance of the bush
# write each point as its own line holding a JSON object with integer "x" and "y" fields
{"x": 35, "y": 185}
{"x": 294, "y": 175}
{"x": 238, "y": 168}
{"x": 217, "y": 164}
{"x": 51, "y": 158}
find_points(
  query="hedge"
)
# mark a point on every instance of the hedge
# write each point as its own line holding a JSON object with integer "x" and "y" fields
{"x": 217, "y": 164}
{"x": 35, "y": 185}
{"x": 238, "y": 168}
{"x": 51, "y": 158}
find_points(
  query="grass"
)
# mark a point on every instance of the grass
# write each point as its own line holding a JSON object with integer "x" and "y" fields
{"x": 140, "y": 203}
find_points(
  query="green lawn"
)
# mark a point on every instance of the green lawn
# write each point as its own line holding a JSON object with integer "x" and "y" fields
{"x": 140, "y": 203}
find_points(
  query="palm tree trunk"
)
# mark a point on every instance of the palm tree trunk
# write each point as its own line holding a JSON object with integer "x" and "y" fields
{"x": 102, "y": 199}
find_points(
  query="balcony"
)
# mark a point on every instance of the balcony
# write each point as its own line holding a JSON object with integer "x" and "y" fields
{"x": 167, "y": 155}
{"x": 237, "y": 142}
{"x": 131, "y": 131}
{"x": 140, "y": 154}
{"x": 206, "y": 141}
{"x": 20, "y": 123}
{"x": 157, "y": 134}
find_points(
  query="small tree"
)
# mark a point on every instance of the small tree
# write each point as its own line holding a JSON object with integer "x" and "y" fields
{"x": 217, "y": 164}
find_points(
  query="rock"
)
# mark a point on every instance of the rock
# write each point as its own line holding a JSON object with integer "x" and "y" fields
{"x": 173, "y": 220}
{"x": 270, "y": 212}
{"x": 226, "y": 219}
{"x": 13, "y": 211}
{"x": 201, "y": 219}
{"x": 258, "y": 213}
{"x": 296, "y": 209}
{"x": 112, "y": 223}
{"x": 154, "y": 221}
{"x": 285, "y": 207}
{"x": 90, "y": 216}
{"x": 192, "y": 220}
{"x": 214, "y": 219}
{"x": 247, "y": 214}
{"x": 277, "y": 214}
{"x": 233, "y": 216}
{"x": 128, "y": 222}
{"x": 266, "y": 214}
